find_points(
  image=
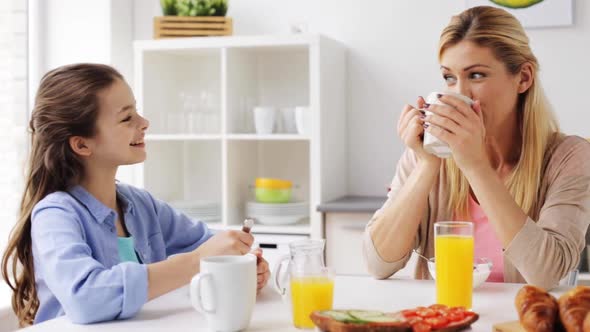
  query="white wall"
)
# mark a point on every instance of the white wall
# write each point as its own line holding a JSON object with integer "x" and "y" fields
{"x": 69, "y": 31}
{"x": 392, "y": 60}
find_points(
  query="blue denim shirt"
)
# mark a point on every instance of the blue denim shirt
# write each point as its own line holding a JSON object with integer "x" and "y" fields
{"x": 75, "y": 252}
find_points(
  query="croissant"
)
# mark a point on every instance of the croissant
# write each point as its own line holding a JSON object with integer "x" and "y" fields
{"x": 537, "y": 309}
{"x": 574, "y": 307}
{"x": 587, "y": 323}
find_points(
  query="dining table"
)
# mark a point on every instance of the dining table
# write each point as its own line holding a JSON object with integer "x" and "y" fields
{"x": 493, "y": 302}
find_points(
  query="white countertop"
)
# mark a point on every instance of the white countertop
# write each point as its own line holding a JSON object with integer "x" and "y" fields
{"x": 494, "y": 302}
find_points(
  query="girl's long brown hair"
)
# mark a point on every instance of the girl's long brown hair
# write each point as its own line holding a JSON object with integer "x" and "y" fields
{"x": 501, "y": 32}
{"x": 66, "y": 105}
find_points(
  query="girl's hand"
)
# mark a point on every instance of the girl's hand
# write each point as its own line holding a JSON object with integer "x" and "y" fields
{"x": 261, "y": 269}
{"x": 460, "y": 126}
{"x": 226, "y": 243}
{"x": 410, "y": 128}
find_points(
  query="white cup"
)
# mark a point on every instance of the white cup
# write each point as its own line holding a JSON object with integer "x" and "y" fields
{"x": 303, "y": 120}
{"x": 288, "y": 117}
{"x": 264, "y": 119}
{"x": 225, "y": 291}
{"x": 432, "y": 144}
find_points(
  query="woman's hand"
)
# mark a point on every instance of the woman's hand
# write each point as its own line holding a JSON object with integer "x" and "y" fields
{"x": 460, "y": 126}
{"x": 410, "y": 128}
{"x": 261, "y": 269}
{"x": 226, "y": 243}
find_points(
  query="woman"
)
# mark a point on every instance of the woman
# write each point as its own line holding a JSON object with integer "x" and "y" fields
{"x": 523, "y": 184}
{"x": 89, "y": 247}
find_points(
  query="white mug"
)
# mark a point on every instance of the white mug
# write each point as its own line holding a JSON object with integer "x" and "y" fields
{"x": 432, "y": 144}
{"x": 264, "y": 119}
{"x": 303, "y": 120}
{"x": 225, "y": 291}
{"x": 288, "y": 117}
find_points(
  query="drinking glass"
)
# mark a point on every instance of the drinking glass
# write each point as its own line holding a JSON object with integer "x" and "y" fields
{"x": 453, "y": 252}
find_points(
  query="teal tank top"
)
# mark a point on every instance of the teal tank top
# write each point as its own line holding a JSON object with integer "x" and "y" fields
{"x": 127, "y": 249}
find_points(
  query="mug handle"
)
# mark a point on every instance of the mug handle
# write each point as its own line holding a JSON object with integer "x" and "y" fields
{"x": 277, "y": 273}
{"x": 195, "y": 289}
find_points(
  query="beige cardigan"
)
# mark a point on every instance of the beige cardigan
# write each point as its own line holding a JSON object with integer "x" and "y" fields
{"x": 549, "y": 244}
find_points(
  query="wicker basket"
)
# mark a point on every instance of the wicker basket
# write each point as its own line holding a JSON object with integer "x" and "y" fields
{"x": 191, "y": 26}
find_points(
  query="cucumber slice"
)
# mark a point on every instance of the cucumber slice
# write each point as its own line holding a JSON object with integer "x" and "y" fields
{"x": 341, "y": 316}
{"x": 372, "y": 316}
{"x": 360, "y": 314}
{"x": 382, "y": 319}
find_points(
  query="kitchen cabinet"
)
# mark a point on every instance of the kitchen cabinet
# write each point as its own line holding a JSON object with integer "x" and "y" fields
{"x": 199, "y": 95}
{"x": 344, "y": 233}
{"x": 344, "y": 220}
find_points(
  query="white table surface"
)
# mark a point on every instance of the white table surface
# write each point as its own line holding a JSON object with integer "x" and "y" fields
{"x": 494, "y": 302}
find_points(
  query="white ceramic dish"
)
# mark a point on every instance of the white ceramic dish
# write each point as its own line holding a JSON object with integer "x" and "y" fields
{"x": 482, "y": 267}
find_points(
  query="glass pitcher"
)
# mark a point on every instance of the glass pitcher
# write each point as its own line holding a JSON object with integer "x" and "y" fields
{"x": 307, "y": 284}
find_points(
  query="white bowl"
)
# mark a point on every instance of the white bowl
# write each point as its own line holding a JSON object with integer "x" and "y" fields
{"x": 482, "y": 267}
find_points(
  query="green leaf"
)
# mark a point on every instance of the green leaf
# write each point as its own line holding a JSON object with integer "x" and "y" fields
{"x": 168, "y": 7}
{"x": 220, "y": 7}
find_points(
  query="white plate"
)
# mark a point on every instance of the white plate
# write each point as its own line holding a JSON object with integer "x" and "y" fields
{"x": 275, "y": 205}
{"x": 278, "y": 220}
{"x": 277, "y": 209}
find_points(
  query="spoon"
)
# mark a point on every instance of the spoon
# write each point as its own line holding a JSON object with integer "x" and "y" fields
{"x": 247, "y": 225}
{"x": 420, "y": 255}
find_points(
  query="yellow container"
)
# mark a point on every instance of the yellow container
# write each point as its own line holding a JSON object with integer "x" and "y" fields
{"x": 272, "y": 190}
{"x": 270, "y": 183}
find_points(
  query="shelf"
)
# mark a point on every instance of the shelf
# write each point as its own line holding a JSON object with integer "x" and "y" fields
{"x": 209, "y": 43}
{"x": 182, "y": 137}
{"x": 249, "y": 159}
{"x": 184, "y": 170}
{"x": 262, "y": 76}
{"x": 272, "y": 137}
{"x": 303, "y": 229}
{"x": 199, "y": 95}
{"x": 181, "y": 94}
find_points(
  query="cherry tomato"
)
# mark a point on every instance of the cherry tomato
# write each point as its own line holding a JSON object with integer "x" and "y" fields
{"x": 426, "y": 313}
{"x": 410, "y": 313}
{"x": 438, "y": 307}
{"x": 421, "y": 327}
{"x": 415, "y": 320}
{"x": 455, "y": 316}
{"x": 457, "y": 309}
{"x": 437, "y": 322}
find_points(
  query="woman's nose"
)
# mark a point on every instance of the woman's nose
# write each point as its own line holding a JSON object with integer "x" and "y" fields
{"x": 462, "y": 87}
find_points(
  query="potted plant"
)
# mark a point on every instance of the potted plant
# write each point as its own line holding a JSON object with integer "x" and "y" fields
{"x": 189, "y": 18}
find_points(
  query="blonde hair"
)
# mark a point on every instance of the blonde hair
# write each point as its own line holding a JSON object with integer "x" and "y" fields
{"x": 502, "y": 33}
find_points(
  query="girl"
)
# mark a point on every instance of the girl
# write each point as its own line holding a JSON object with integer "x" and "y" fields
{"x": 91, "y": 248}
{"x": 525, "y": 186}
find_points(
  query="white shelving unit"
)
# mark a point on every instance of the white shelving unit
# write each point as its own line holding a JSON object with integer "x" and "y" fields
{"x": 216, "y": 155}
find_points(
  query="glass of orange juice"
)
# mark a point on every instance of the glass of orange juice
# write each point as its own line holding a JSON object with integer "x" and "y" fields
{"x": 310, "y": 293}
{"x": 453, "y": 252}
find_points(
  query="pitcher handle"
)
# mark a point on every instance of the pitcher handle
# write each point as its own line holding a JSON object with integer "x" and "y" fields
{"x": 195, "y": 289}
{"x": 277, "y": 275}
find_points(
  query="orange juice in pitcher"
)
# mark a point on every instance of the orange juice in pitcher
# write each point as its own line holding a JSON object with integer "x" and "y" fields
{"x": 453, "y": 251}
{"x": 309, "y": 294}
{"x": 307, "y": 284}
